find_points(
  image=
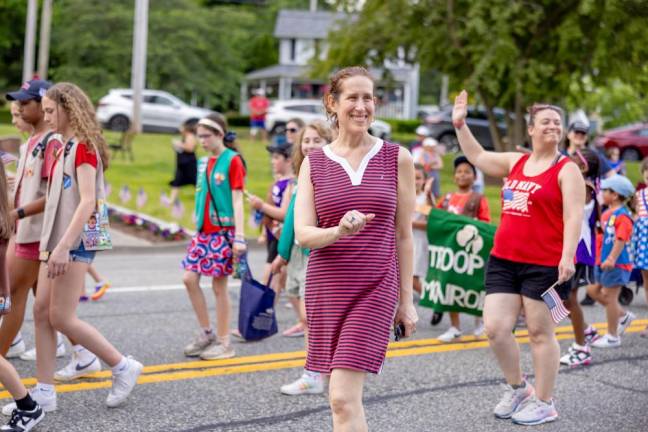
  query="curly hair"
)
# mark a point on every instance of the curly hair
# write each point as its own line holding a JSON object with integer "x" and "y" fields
{"x": 81, "y": 115}
{"x": 5, "y": 226}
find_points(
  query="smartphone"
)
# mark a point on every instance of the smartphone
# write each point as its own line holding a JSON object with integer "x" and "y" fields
{"x": 399, "y": 331}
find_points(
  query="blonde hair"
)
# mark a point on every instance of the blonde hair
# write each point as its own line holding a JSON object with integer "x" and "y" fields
{"x": 322, "y": 129}
{"x": 5, "y": 226}
{"x": 81, "y": 115}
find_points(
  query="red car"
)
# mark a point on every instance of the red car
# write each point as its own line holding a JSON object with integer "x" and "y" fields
{"x": 632, "y": 141}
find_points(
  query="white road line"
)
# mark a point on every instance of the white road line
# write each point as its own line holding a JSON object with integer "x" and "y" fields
{"x": 173, "y": 287}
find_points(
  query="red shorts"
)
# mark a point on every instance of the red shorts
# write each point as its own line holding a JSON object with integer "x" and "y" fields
{"x": 28, "y": 251}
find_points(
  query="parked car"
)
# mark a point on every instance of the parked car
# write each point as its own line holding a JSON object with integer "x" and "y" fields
{"x": 281, "y": 111}
{"x": 632, "y": 141}
{"x": 161, "y": 111}
{"x": 440, "y": 126}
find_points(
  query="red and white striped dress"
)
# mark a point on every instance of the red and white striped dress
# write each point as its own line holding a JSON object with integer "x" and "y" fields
{"x": 352, "y": 286}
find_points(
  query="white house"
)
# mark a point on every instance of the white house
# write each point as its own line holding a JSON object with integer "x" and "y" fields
{"x": 302, "y": 36}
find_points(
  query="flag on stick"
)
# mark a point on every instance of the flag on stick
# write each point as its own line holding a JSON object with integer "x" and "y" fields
{"x": 555, "y": 304}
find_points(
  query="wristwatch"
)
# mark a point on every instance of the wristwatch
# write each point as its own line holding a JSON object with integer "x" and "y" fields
{"x": 21, "y": 213}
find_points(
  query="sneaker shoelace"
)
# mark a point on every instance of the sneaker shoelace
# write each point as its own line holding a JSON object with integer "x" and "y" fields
{"x": 15, "y": 418}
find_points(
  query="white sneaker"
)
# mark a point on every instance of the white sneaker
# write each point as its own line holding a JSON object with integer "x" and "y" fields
{"x": 309, "y": 383}
{"x": 479, "y": 330}
{"x": 78, "y": 368}
{"x": 31, "y": 354}
{"x": 451, "y": 334}
{"x": 123, "y": 383}
{"x": 512, "y": 400}
{"x": 17, "y": 347}
{"x": 47, "y": 401}
{"x": 625, "y": 322}
{"x": 607, "y": 341}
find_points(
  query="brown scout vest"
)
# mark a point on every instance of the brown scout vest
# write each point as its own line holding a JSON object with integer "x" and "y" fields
{"x": 32, "y": 187}
{"x": 62, "y": 201}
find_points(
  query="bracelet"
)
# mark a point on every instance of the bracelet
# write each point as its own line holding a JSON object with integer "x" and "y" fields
{"x": 21, "y": 213}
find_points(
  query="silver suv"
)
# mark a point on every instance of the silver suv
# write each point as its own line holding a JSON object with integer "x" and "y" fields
{"x": 161, "y": 111}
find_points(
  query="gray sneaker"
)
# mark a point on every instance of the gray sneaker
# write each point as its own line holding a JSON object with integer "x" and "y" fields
{"x": 512, "y": 400}
{"x": 199, "y": 344}
{"x": 535, "y": 412}
{"x": 218, "y": 351}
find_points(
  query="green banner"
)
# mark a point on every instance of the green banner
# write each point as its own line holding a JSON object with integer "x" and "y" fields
{"x": 459, "y": 247}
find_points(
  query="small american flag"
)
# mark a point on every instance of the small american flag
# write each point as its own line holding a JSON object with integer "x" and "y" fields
{"x": 555, "y": 304}
{"x": 124, "y": 194}
{"x": 515, "y": 200}
{"x": 141, "y": 199}
{"x": 7, "y": 157}
{"x": 177, "y": 211}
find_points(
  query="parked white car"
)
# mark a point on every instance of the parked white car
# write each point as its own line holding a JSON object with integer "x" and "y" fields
{"x": 161, "y": 111}
{"x": 281, "y": 111}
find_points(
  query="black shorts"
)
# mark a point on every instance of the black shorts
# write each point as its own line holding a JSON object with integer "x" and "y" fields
{"x": 583, "y": 276}
{"x": 529, "y": 280}
{"x": 272, "y": 245}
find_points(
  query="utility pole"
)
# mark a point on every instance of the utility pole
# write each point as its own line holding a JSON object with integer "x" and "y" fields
{"x": 30, "y": 40}
{"x": 44, "y": 44}
{"x": 138, "y": 65}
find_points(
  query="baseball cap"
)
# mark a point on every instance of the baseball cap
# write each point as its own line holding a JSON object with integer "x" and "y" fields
{"x": 464, "y": 160}
{"x": 619, "y": 184}
{"x": 579, "y": 126}
{"x": 31, "y": 90}
{"x": 280, "y": 145}
{"x": 430, "y": 142}
{"x": 422, "y": 130}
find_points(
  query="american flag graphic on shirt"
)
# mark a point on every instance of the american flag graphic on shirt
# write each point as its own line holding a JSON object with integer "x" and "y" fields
{"x": 515, "y": 200}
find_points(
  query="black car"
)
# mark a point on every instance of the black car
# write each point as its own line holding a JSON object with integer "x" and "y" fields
{"x": 441, "y": 128}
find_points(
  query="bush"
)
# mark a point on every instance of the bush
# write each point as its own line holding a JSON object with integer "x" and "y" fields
{"x": 5, "y": 115}
{"x": 403, "y": 126}
{"x": 238, "y": 120}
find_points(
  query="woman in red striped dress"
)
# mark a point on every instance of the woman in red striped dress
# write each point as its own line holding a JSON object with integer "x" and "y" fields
{"x": 354, "y": 204}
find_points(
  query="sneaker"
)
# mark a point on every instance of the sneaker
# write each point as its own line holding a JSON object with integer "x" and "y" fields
{"x": 625, "y": 322}
{"x": 123, "y": 383}
{"x": 591, "y": 334}
{"x": 535, "y": 412}
{"x": 512, "y": 400}
{"x": 607, "y": 341}
{"x": 577, "y": 356}
{"x": 451, "y": 334}
{"x": 200, "y": 343}
{"x": 31, "y": 354}
{"x": 479, "y": 330}
{"x": 644, "y": 332}
{"x": 23, "y": 421}
{"x": 295, "y": 331}
{"x": 47, "y": 401}
{"x": 309, "y": 383}
{"x": 100, "y": 290}
{"x": 587, "y": 301}
{"x": 83, "y": 298}
{"x": 436, "y": 318}
{"x": 17, "y": 347}
{"x": 77, "y": 369}
{"x": 218, "y": 351}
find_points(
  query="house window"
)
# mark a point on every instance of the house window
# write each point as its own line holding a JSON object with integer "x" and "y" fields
{"x": 293, "y": 49}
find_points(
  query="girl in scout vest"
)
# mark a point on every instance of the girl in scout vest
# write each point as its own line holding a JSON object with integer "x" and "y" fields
{"x": 314, "y": 136}
{"x": 74, "y": 194}
{"x": 28, "y": 201}
{"x": 469, "y": 203}
{"x": 613, "y": 259}
{"x": 27, "y": 413}
{"x": 219, "y": 236}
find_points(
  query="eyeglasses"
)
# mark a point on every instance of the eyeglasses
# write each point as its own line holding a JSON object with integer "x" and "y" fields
{"x": 292, "y": 130}
{"x": 535, "y": 108}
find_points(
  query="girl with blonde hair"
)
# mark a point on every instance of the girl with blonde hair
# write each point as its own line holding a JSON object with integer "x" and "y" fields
{"x": 74, "y": 193}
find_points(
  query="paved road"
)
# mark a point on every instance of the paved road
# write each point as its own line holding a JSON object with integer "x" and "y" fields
{"x": 425, "y": 386}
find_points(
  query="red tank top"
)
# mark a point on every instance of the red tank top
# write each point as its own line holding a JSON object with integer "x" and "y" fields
{"x": 531, "y": 228}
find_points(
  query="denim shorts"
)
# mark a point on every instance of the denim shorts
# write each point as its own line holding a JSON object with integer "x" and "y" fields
{"x": 611, "y": 278}
{"x": 82, "y": 255}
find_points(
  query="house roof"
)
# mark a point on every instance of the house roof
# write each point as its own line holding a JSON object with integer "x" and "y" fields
{"x": 279, "y": 71}
{"x": 307, "y": 25}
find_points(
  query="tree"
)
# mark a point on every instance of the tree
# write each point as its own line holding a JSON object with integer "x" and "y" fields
{"x": 508, "y": 53}
{"x": 12, "y": 33}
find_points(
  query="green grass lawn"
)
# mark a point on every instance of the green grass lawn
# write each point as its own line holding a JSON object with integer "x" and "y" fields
{"x": 154, "y": 166}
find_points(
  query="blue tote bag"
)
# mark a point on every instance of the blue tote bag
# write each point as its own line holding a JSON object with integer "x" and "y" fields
{"x": 257, "y": 319}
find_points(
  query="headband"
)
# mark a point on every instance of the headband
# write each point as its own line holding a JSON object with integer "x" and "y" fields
{"x": 211, "y": 124}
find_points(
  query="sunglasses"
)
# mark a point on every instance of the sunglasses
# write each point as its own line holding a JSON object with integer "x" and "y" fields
{"x": 292, "y": 130}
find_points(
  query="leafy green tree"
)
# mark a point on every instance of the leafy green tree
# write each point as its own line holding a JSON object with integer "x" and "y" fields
{"x": 12, "y": 33}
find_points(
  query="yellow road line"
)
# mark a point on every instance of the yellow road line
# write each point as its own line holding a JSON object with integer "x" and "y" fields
{"x": 286, "y": 360}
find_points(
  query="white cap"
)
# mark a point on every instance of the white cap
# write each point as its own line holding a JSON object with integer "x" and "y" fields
{"x": 422, "y": 130}
{"x": 430, "y": 142}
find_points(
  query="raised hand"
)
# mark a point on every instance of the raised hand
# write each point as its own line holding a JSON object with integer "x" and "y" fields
{"x": 460, "y": 110}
